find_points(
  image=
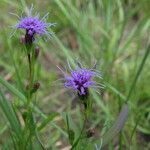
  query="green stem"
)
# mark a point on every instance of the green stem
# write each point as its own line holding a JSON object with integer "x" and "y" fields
{"x": 29, "y": 121}
{"x": 120, "y": 140}
{"x": 138, "y": 72}
{"x": 78, "y": 139}
{"x": 30, "y": 77}
{"x": 82, "y": 130}
{"x": 120, "y": 134}
{"x": 30, "y": 69}
{"x": 133, "y": 131}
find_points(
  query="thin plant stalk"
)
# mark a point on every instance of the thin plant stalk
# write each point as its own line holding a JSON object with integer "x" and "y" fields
{"x": 30, "y": 120}
{"x": 87, "y": 109}
{"x": 82, "y": 130}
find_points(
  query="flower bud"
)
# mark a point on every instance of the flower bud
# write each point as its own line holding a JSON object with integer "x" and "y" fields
{"x": 90, "y": 133}
{"x": 36, "y": 86}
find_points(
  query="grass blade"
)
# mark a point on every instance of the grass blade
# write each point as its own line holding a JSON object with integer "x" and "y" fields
{"x": 47, "y": 120}
{"x": 10, "y": 114}
{"x": 12, "y": 89}
{"x": 138, "y": 72}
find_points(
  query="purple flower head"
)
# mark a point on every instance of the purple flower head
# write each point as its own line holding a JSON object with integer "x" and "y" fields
{"x": 34, "y": 25}
{"x": 81, "y": 79}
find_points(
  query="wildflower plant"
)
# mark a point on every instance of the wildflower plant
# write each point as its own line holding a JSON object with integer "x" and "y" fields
{"x": 80, "y": 80}
{"x": 33, "y": 26}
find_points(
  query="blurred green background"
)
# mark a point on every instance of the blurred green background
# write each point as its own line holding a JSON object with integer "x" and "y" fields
{"x": 115, "y": 33}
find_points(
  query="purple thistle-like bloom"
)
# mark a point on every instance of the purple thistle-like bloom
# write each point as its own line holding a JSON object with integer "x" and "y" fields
{"x": 33, "y": 25}
{"x": 81, "y": 79}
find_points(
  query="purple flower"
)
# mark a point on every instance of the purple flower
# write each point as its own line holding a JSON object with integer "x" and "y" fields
{"x": 34, "y": 25}
{"x": 81, "y": 79}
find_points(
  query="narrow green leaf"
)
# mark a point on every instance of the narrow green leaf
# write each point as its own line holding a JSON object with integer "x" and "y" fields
{"x": 47, "y": 120}
{"x": 10, "y": 114}
{"x": 117, "y": 92}
{"x": 71, "y": 133}
{"x": 117, "y": 127}
{"x": 12, "y": 89}
{"x": 71, "y": 136}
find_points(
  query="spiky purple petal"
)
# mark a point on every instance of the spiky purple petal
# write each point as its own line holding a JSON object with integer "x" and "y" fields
{"x": 34, "y": 25}
{"x": 80, "y": 80}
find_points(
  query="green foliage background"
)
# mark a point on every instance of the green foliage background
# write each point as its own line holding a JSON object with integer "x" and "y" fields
{"x": 113, "y": 32}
